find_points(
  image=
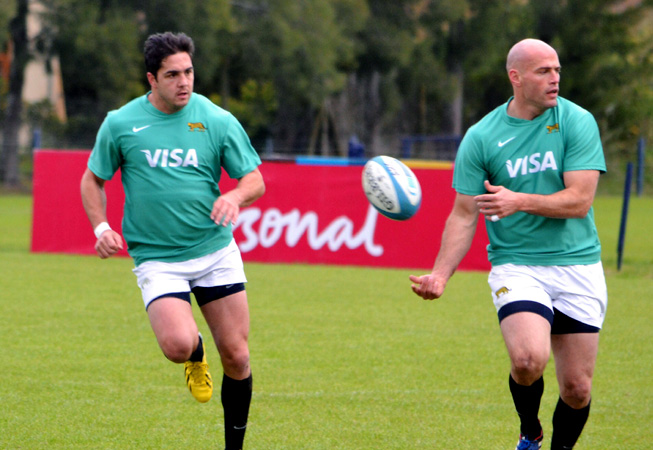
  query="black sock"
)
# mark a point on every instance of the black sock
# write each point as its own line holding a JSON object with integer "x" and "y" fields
{"x": 568, "y": 424}
{"x": 198, "y": 354}
{"x": 236, "y": 397}
{"x": 527, "y": 403}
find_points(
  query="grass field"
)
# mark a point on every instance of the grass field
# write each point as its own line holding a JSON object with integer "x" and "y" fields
{"x": 343, "y": 357}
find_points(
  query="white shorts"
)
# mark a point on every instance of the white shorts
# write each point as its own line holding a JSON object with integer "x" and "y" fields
{"x": 224, "y": 267}
{"x": 577, "y": 291}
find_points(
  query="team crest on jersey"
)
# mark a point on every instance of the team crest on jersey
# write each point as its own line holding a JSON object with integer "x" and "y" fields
{"x": 551, "y": 128}
{"x": 196, "y": 126}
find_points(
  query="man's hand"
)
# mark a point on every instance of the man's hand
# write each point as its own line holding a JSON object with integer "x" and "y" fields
{"x": 499, "y": 202}
{"x": 428, "y": 286}
{"x": 108, "y": 244}
{"x": 226, "y": 209}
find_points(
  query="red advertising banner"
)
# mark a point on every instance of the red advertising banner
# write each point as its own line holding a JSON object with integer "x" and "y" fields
{"x": 315, "y": 214}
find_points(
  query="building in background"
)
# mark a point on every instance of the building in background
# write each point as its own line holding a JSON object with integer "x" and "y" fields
{"x": 43, "y": 72}
{"x": 42, "y": 76}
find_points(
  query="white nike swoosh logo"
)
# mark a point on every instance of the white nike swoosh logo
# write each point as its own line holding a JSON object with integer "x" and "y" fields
{"x": 501, "y": 144}
{"x": 136, "y": 130}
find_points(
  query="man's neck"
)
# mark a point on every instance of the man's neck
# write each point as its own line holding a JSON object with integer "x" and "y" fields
{"x": 520, "y": 110}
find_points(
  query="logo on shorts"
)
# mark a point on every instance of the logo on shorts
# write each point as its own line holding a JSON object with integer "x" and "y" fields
{"x": 501, "y": 291}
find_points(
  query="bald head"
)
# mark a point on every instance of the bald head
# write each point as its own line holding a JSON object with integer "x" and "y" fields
{"x": 534, "y": 72}
{"x": 524, "y": 52}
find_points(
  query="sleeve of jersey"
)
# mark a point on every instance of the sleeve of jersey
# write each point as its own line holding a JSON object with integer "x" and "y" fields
{"x": 583, "y": 150}
{"x": 238, "y": 156}
{"x": 469, "y": 171}
{"x": 105, "y": 157}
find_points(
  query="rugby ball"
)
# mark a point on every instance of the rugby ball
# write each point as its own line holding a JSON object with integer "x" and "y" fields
{"x": 391, "y": 187}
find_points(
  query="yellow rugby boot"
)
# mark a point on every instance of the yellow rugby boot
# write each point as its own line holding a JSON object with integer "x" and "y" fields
{"x": 198, "y": 378}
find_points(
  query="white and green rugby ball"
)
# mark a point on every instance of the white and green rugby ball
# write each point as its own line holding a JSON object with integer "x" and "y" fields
{"x": 391, "y": 187}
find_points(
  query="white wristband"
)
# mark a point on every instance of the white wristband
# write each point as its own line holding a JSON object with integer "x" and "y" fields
{"x": 101, "y": 229}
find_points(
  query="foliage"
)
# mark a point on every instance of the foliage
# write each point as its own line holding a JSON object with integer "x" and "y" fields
{"x": 7, "y": 11}
{"x": 255, "y": 107}
{"x": 305, "y": 49}
{"x": 608, "y": 62}
{"x": 206, "y": 22}
{"x": 371, "y": 68}
{"x": 100, "y": 60}
{"x": 12, "y": 118}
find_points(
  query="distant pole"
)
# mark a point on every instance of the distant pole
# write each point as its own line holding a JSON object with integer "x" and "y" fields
{"x": 641, "y": 145}
{"x": 624, "y": 214}
{"x": 36, "y": 139}
{"x": 405, "y": 147}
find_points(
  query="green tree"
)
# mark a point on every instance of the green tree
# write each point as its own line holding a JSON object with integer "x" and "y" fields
{"x": 607, "y": 60}
{"x": 100, "y": 61}
{"x": 411, "y": 69}
{"x": 9, "y": 170}
{"x": 492, "y": 29}
{"x": 310, "y": 74}
{"x": 208, "y": 23}
{"x": 303, "y": 48}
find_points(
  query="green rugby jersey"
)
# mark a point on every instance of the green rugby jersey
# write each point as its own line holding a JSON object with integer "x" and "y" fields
{"x": 170, "y": 166}
{"x": 531, "y": 156}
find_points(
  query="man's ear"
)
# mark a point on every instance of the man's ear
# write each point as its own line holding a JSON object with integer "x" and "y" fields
{"x": 514, "y": 76}
{"x": 151, "y": 78}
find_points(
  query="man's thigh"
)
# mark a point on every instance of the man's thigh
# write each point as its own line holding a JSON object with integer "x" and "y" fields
{"x": 528, "y": 339}
{"x": 173, "y": 324}
{"x": 228, "y": 319}
{"x": 575, "y": 359}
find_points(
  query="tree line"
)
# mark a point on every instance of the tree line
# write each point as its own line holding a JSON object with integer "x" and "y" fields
{"x": 306, "y": 76}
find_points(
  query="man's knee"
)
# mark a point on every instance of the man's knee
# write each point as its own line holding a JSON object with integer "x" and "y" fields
{"x": 235, "y": 359}
{"x": 576, "y": 393}
{"x": 176, "y": 348}
{"x": 527, "y": 334}
{"x": 528, "y": 367}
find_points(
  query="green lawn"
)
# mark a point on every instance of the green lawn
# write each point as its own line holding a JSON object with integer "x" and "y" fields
{"x": 343, "y": 357}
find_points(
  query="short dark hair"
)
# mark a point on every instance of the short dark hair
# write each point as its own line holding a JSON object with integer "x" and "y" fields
{"x": 161, "y": 45}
